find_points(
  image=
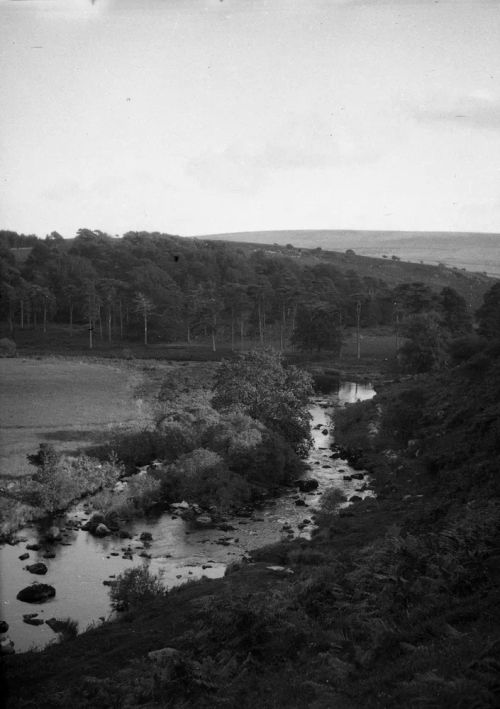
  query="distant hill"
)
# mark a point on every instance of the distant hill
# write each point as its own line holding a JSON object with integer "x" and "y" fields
{"x": 472, "y": 251}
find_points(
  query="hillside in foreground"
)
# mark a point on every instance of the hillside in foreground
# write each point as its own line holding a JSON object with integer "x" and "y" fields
{"x": 470, "y": 250}
{"x": 394, "y": 603}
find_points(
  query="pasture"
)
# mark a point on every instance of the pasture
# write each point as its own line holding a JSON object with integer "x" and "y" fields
{"x": 68, "y": 403}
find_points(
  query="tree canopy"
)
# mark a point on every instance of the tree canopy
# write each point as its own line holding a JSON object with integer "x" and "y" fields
{"x": 268, "y": 392}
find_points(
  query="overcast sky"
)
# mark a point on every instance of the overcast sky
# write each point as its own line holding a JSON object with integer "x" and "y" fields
{"x": 202, "y": 116}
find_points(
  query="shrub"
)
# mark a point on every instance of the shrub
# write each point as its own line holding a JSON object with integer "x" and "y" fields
{"x": 267, "y": 391}
{"x": 138, "y": 447}
{"x": 66, "y": 628}
{"x": 399, "y": 421}
{"x": 7, "y": 347}
{"x": 234, "y": 433}
{"x": 326, "y": 382}
{"x": 353, "y": 424}
{"x": 135, "y": 586}
{"x": 331, "y": 499}
{"x": 272, "y": 462}
{"x": 61, "y": 480}
{"x": 203, "y": 477}
{"x": 463, "y": 348}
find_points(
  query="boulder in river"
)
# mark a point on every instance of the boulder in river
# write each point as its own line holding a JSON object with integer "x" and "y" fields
{"x": 31, "y": 619}
{"x": 307, "y": 485}
{"x": 146, "y": 537}
{"x": 101, "y": 530}
{"x": 4, "y": 626}
{"x": 6, "y": 646}
{"x": 180, "y": 505}
{"x": 53, "y": 534}
{"x": 225, "y": 527}
{"x": 39, "y": 568}
{"x": 36, "y": 593}
{"x": 33, "y": 547}
{"x": 357, "y": 476}
{"x": 24, "y": 556}
{"x": 92, "y": 524}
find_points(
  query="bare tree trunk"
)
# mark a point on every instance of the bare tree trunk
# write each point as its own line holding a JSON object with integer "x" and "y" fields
{"x": 91, "y": 327}
{"x": 71, "y": 319}
{"x": 45, "y": 315}
{"x": 214, "y": 331}
{"x": 100, "y": 320}
{"x": 109, "y": 323}
{"x": 121, "y": 319}
{"x": 242, "y": 332}
{"x": 282, "y": 328}
{"x": 22, "y": 315}
{"x": 261, "y": 325}
{"x": 11, "y": 318}
{"x": 145, "y": 328}
{"x": 188, "y": 334}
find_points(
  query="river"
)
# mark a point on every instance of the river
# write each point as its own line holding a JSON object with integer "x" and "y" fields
{"x": 178, "y": 551}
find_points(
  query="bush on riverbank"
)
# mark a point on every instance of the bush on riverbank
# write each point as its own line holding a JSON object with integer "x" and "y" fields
{"x": 60, "y": 480}
{"x": 211, "y": 456}
{"x": 202, "y": 476}
{"x": 134, "y": 587}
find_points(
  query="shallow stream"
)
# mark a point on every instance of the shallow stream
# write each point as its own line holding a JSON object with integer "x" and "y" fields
{"x": 82, "y": 562}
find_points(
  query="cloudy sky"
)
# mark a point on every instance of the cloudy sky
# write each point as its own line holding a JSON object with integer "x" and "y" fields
{"x": 203, "y": 116}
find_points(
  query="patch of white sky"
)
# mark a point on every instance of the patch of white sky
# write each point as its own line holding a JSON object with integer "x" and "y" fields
{"x": 205, "y": 116}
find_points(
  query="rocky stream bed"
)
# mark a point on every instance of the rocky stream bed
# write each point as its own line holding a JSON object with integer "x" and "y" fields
{"x": 81, "y": 566}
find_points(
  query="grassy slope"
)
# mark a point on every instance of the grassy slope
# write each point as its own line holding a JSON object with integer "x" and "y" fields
{"x": 471, "y": 285}
{"x": 394, "y": 603}
{"x": 474, "y": 251}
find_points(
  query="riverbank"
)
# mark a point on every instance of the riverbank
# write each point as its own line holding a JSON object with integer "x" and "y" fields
{"x": 394, "y": 602}
{"x": 182, "y": 543}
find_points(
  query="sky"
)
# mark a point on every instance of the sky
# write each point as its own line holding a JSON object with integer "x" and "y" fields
{"x": 206, "y": 116}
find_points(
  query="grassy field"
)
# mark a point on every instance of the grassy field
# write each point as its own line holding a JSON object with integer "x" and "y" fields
{"x": 72, "y": 400}
{"x": 69, "y": 403}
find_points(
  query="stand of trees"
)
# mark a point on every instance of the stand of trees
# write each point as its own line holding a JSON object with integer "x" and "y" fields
{"x": 151, "y": 286}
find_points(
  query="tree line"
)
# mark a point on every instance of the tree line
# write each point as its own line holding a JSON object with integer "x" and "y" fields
{"x": 157, "y": 286}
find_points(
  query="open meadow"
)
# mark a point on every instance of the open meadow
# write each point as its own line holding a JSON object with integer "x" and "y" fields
{"x": 69, "y": 403}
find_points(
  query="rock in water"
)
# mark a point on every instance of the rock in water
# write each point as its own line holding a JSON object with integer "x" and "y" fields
{"x": 4, "y": 626}
{"x": 36, "y": 593}
{"x": 307, "y": 485}
{"x": 31, "y": 620}
{"x": 53, "y": 534}
{"x": 38, "y": 568}
{"x": 6, "y": 646}
{"x": 101, "y": 530}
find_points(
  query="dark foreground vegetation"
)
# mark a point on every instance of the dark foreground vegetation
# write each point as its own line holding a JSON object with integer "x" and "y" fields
{"x": 394, "y": 603}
